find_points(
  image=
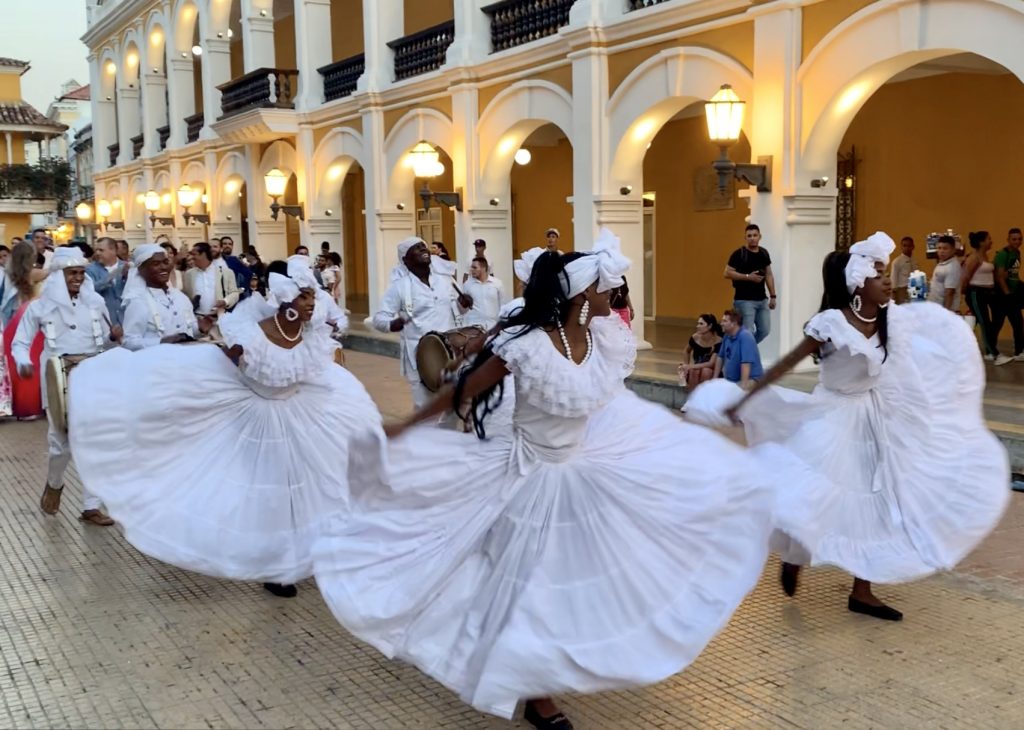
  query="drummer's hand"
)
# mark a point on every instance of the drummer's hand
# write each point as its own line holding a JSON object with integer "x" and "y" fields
{"x": 394, "y": 430}
{"x": 233, "y": 353}
{"x": 733, "y": 414}
{"x": 397, "y": 324}
{"x": 25, "y": 372}
{"x": 174, "y": 339}
{"x": 465, "y": 301}
{"x": 116, "y": 333}
{"x": 205, "y": 323}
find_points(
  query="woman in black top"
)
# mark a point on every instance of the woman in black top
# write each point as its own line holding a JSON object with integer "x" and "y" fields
{"x": 701, "y": 352}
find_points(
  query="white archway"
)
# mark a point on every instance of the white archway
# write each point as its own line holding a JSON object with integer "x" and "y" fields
{"x": 155, "y": 43}
{"x": 511, "y": 117}
{"x": 134, "y": 210}
{"x": 331, "y": 161}
{"x": 657, "y": 90}
{"x": 870, "y": 47}
{"x": 418, "y": 125}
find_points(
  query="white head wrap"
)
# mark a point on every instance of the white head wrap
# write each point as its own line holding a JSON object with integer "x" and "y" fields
{"x": 437, "y": 264}
{"x": 55, "y": 295}
{"x": 604, "y": 263}
{"x": 300, "y": 269}
{"x": 523, "y": 266}
{"x": 863, "y": 256}
{"x": 136, "y": 285}
{"x": 408, "y": 243}
{"x": 283, "y": 289}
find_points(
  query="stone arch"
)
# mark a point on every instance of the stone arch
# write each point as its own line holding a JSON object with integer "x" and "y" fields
{"x": 162, "y": 185}
{"x": 186, "y": 14}
{"x": 194, "y": 173}
{"x": 657, "y": 90}
{"x": 331, "y": 162}
{"x": 219, "y": 16}
{"x": 130, "y": 67}
{"x": 416, "y": 126}
{"x": 870, "y": 47}
{"x": 108, "y": 81}
{"x": 511, "y": 117}
{"x": 134, "y": 209}
{"x": 156, "y": 46}
{"x": 228, "y": 180}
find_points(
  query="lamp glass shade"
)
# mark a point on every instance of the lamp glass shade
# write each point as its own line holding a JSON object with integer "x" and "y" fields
{"x": 725, "y": 115}
{"x": 103, "y": 208}
{"x": 187, "y": 196}
{"x": 83, "y": 211}
{"x": 276, "y": 181}
{"x": 425, "y": 160}
{"x": 152, "y": 201}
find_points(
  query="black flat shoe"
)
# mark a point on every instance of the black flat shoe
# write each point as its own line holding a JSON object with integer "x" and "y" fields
{"x": 886, "y": 613}
{"x": 281, "y": 591}
{"x": 789, "y": 577}
{"x": 558, "y": 721}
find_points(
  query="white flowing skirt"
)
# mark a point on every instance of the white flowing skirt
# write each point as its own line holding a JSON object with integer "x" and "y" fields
{"x": 506, "y": 575}
{"x": 207, "y": 475}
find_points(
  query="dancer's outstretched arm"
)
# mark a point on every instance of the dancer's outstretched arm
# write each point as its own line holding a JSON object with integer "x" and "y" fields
{"x": 487, "y": 375}
{"x": 808, "y": 346}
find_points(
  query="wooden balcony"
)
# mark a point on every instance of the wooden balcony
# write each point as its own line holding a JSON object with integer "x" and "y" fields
{"x": 422, "y": 52}
{"x": 340, "y": 77}
{"x": 641, "y": 4}
{"x": 193, "y": 125}
{"x": 264, "y": 88}
{"x": 515, "y": 22}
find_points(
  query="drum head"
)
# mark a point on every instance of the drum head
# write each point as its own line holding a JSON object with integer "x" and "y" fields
{"x": 56, "y": 393}
{"x": 432, "y": 356}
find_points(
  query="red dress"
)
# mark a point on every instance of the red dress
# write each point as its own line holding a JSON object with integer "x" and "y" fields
{"x": 26, "y": 397}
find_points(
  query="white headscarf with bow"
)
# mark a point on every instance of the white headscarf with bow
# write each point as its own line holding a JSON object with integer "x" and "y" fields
{"x": 523, "y": 266}
{"x": 282, "y": 290}
{"x": 300, "y": 269}
{"x": 604, "y": 263}
{"x": 55, "y": 295}
{"x": 864, "y": 255}
{"x": 136, "y": 285}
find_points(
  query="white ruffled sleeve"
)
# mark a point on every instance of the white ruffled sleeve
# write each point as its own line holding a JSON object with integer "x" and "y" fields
{"x": 275, "y": 366}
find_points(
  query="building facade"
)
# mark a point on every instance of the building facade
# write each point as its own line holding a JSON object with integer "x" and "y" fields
{"x": 557, "y": 113}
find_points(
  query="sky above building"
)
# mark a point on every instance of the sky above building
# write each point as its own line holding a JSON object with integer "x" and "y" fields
{"x": 46, "y": 33}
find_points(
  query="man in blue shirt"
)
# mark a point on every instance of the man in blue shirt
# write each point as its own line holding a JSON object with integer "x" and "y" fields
{"x": 738, "y": 359}
{"x": 108, "y": 274}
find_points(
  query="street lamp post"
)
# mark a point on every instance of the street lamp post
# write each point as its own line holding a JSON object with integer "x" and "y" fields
{"x": 426, "y": 164}
{"x": 276, "y": 182}
{"x": 725, "y": 122}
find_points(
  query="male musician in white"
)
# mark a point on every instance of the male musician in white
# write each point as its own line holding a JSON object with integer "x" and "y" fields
{"x": 156, "y": 313}
{"x": 419, "y": 300}
{"x": 485, "y": 295}
{"x": 73, "y": 320}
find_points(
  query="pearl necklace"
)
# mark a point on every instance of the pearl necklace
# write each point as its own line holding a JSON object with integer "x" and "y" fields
{"x": 865, "y": 320}
{"x": 280, "y": 331}
{"x": 568, "y": 350}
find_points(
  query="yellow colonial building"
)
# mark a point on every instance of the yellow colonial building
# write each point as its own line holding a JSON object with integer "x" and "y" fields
{"x": 859, "y": 114}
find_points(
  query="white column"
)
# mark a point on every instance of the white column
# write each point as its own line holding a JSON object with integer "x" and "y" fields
{"x": 383, "y": 21}
{"x": 312, "y": 50}
{"x": 258, "y": 35}
{"x": 472, "y": 42}
{"x": 216, "y": 71}
{"x": 127, "y": 122}
{"x": 465, "y": 156}
{"x": 328, "y": 229}
{"x": 267, "y": 235}
{"x": 153, "y": 110}
{"x": 10, "y": 150}
{"x": 181, "y": 96}
{"x": 305, "y": 180}
{"x": 594, "y": 13}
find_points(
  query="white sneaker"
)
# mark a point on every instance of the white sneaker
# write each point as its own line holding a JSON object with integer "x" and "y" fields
{"x": 1019, "y": 357}
{"x": 988, "y": 358}
{"x": 1003, "y": 359}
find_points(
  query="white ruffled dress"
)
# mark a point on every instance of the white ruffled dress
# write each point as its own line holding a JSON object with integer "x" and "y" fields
{"x": 599, "y": 543}
{"x": 225, "y": 470}
{"x": 909, "y": 478}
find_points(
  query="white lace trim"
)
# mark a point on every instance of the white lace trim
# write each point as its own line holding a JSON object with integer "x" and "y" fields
{"x": 832, "y": 326}
{"x": 274, "y": 366}
{"x": 553, "y": 384}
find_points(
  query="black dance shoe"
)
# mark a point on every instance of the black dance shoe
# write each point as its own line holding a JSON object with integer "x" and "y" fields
{"x": 558, "y": 721}
{"x": 789, "y": 577}
{"x": 281, "y": 591}
{"x": 886, "y": 613}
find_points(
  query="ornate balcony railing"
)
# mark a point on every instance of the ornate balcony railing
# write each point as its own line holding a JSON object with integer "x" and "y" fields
{"x": 340, "y": 77}
{"x": 193, "y": 124}
{"x": 137, "y": 146}
{"x": 114, "y": 150}
{"x": 163, "y": 134}
{"x": 264, "y": 88}
{"x": 422, "y": 52}
{"x": 515, "y": 22}
{"x": 641, "y": 4}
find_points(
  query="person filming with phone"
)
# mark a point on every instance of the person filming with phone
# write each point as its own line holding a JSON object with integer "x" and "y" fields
{"x": 750, "y": 270}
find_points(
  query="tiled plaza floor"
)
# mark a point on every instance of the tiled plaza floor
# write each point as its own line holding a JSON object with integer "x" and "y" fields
{"x": 94, "y": 635}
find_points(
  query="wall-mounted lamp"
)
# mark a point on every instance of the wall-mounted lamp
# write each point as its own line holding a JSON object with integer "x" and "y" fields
{"x": 187, "y": 197}
{"x": 426, "y": 164}
{"x": 83, "y": 211}
{"x": 819, "y": 182}
{"x": 625, "y": 190}
{"x": 328, "y": 212}
{"x": 495, "y": 201}
{"x": 276, "y": 182}
{"x": 400, "y": 206}
{"x": 152, "y": 202}
{"x": 725, "y": 120}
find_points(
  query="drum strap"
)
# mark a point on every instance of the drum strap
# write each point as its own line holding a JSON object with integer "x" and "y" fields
{"x": 50, "y": 332}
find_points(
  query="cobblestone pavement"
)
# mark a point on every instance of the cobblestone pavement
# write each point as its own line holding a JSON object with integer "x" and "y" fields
{"x": 95, "y": 635}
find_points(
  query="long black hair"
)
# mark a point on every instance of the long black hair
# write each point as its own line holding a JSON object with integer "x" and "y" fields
{"x": 837, "y": 296}
{"x": 545, "y": 306}
{"x": 713, "y": 325}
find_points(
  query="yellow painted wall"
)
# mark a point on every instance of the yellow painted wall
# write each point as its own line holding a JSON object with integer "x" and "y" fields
{"x": 17, "y": 148}
{"x": 346, "y": 29}
{"x": 818, "y": 19}
{"x": 17, "y": 224}
{"x": 10, "y": 87}
{"x": 422, "y": 14}
{"x": 691, "y": 247}
{"x": 539, "y": 192}
{"x": 284, "y": 42}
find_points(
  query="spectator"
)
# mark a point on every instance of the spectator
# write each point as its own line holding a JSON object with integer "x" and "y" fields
{"x": 978, "y": 289}
{"x": 701, "y": 352}
{"x": 621, "y": 304}
{"x": 237, "y": 266}
{"x": 325, "y": 246}
{"x": 944, "y": 287}
{"x": 485, "y": 296}
{"x": 902, "y": 265}
{"x": 41, "y": 241}
{"x": 301, "y": 250}
{"x": 84, "y": 247}
{"x": 1009, "y": 295}
{"x": 331, "y": 275}
{"x": 109, "y": 274}
{"x": 552, "y": 236}
{"x": 440, "y": 250}
{"x": 210, "y": 288}
{"x": 124, "y": 251}
{"x": 5, "y": 253}
{"x": 750, "y": 269}
{"x": 738, "y": 359}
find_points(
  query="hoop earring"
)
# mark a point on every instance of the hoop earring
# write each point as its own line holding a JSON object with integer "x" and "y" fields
{"x": 584, "y": 312}
{"x": 291, "y": 314}
{"x": 856, "y": 303}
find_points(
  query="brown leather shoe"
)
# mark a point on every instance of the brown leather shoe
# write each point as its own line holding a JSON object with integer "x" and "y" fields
{"x": 50, "y": 501}
{"x": 95, "y": 517}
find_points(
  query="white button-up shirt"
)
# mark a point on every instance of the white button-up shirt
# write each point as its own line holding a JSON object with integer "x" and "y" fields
{"x": 156, "y": 314}
{"x": 488, "y": 299}
{"x": 206, "y": 287}
{"x": 424, "y": 308}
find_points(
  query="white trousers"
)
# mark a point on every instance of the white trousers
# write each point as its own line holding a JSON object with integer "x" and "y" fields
{"x": 60, "y": 457}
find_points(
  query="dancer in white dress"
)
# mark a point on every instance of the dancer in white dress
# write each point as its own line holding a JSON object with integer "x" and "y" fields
{"x": 231, "y": 476}
{"x": 913, "y": 478}
{"x": 591, "y": 551}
